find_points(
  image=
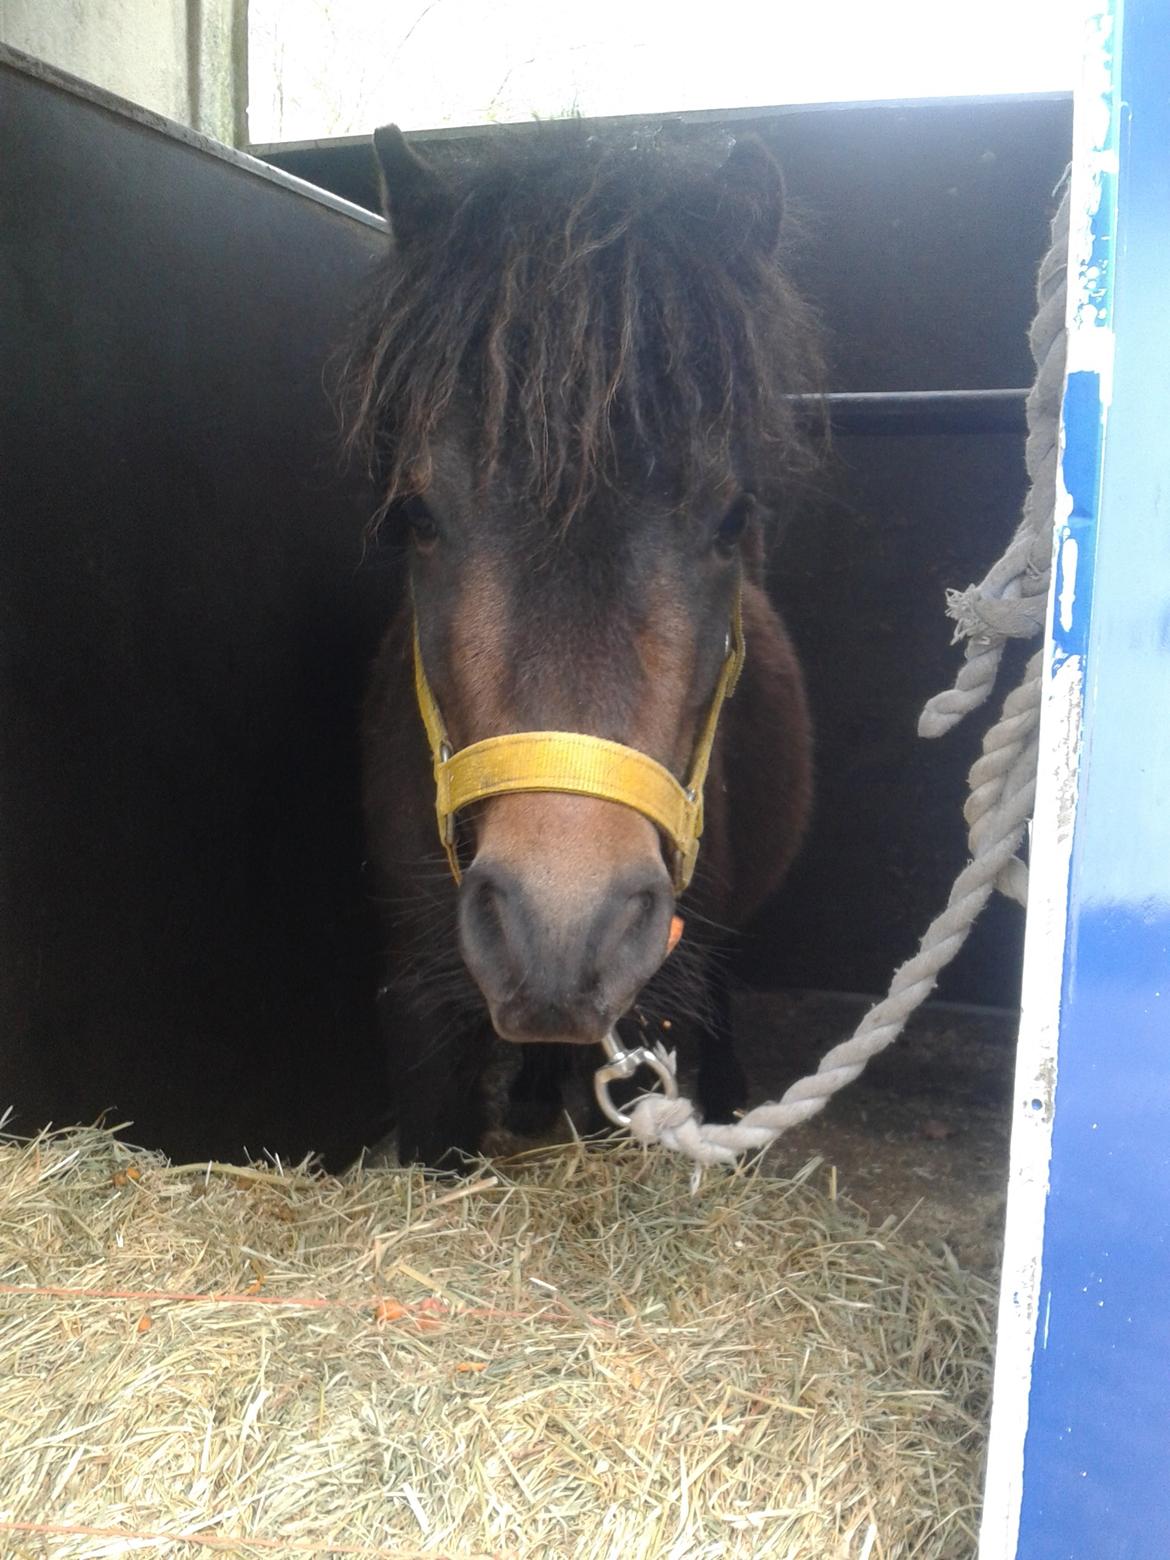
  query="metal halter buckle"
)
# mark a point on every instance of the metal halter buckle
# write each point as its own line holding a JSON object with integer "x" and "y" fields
{"x": 624, "y": 1064}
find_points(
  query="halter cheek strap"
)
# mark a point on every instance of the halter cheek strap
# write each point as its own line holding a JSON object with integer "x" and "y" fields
{"x": 579, "y": 765}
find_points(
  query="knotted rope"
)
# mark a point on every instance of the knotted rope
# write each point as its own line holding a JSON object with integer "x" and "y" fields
{"x": 1009, "y": 603}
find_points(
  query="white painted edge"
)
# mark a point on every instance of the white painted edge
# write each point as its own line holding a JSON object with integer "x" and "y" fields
{"x": 245, "y": 163}
{"x": 1021, "y": 1302}
{"x": 1035, "y": 1081}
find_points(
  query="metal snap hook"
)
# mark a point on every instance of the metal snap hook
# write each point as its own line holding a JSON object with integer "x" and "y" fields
{"x": 624, "y": 1064}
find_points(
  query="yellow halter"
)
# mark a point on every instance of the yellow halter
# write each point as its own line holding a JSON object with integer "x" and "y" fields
{"x": 572, "y": 762}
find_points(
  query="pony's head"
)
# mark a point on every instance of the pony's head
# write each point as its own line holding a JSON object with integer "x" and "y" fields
{"x": 574, "y": 382}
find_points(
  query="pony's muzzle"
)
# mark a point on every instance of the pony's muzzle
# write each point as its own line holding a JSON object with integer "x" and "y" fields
{"x": 562, "y": 966}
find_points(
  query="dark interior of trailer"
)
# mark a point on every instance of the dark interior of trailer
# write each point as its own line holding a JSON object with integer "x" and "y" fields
{"x": 188, "y": 612}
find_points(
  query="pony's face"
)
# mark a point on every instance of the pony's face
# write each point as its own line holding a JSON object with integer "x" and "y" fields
{"x": 616, "y": 626}
{"x": 572, "y": 351}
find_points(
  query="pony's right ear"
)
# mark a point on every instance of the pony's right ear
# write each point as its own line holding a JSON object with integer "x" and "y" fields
{"x": 414, "y": 197}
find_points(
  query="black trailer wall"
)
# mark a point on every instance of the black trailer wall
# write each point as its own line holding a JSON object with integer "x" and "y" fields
{"x": 185, "y": 935}
{"x": 183, "y": 631}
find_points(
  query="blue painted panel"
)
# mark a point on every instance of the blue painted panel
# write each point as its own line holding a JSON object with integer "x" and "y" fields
{"x": 1097, "y": 1454}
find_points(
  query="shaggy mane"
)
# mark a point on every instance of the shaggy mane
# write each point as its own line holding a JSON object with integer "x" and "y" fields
{"x": 595, "y": 311}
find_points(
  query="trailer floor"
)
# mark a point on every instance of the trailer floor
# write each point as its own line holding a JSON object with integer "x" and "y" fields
{"x": 922, "y": 1136}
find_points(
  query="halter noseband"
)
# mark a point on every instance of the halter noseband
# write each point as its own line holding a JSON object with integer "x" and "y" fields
{"x": 581, "y": 765}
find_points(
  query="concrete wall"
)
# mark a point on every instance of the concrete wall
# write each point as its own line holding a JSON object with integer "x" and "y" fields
{"x": 182, "y": 58}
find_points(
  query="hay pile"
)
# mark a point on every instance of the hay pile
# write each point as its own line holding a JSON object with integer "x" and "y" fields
{"x": 567, "y": 1356}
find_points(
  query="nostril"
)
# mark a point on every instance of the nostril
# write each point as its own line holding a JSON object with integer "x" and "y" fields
{"x": 482, "y": 903}
{"x": 486, "y": 897}
{"x": 639, "y": 921}
{"x": 643, "y": 909}
{"x": 496, "y": 928}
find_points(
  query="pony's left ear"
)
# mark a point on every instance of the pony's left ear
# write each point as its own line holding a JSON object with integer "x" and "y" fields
{"x": 750, "y": 191}
{"x": 414, "y": 197}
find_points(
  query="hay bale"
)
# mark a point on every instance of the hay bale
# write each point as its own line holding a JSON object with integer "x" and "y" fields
{"x": 568, "y": 1355}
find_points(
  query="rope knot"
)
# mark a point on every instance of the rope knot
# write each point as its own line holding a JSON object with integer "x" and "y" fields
{"x": 654, "y": 1116}
{"x": 986, "y": 619}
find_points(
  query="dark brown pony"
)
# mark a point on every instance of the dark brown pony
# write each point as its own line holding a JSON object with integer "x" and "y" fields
{"x": 574, "y": 381}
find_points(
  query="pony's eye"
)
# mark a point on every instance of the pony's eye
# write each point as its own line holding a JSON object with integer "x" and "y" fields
{"x": 423, "y": 529}
{"x": 732, "y": 526}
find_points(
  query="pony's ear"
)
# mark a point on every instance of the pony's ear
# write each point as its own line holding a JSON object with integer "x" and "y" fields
{"x": 414, "y": 197}
{"x": 749, "y": 188}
